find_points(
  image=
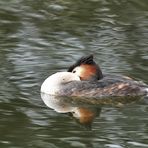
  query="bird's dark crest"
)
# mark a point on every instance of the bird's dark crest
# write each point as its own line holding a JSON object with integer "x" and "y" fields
{"x": 83, "y": 60}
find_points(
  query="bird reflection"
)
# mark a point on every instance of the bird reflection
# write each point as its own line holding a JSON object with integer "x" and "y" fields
{"x": 83, "y": 114}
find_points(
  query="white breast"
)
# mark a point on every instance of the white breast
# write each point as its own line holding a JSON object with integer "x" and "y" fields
{"x": 54, "y": 83}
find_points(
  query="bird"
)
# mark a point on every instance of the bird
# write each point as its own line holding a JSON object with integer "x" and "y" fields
{"x": 70, "y": 84}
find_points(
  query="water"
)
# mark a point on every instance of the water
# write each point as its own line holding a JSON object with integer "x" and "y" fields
{"x": 38, "y": 38}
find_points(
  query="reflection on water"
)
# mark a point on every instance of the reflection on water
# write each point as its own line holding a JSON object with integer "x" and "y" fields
{"x": 84, "y": 114}
{"x": 38, "y": 38}
{"x": 84, "y": 110}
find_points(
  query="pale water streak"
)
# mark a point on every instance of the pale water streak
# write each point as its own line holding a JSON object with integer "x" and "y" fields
{"x": 38, "y": 38}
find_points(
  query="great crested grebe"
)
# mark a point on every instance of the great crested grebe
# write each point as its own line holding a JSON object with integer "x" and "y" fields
{"x": 69, "y": 84}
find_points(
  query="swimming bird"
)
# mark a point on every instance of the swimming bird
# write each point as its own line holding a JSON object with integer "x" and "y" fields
{"x": 69, "y": 84}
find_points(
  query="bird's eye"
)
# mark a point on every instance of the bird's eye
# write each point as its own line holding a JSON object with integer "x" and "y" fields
{"x": 74, "y": 71}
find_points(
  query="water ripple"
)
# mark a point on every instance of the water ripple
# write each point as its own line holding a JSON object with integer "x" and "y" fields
{"x": 38, "y": 38}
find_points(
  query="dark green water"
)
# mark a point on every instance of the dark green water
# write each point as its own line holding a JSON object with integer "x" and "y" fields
{"x": 38, "y": 38}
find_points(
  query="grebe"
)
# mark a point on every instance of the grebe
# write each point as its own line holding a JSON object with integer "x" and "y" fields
{"x": 69, "y": 84}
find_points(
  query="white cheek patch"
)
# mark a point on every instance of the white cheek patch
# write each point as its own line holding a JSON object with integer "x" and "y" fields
{"x": 77, "y": 71}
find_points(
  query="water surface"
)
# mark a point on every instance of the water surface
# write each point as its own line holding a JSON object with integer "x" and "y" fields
{"x": 38, "y": 38}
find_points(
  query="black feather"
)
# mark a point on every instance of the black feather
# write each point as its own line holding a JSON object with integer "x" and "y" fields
{"x": 83, "y": 60}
